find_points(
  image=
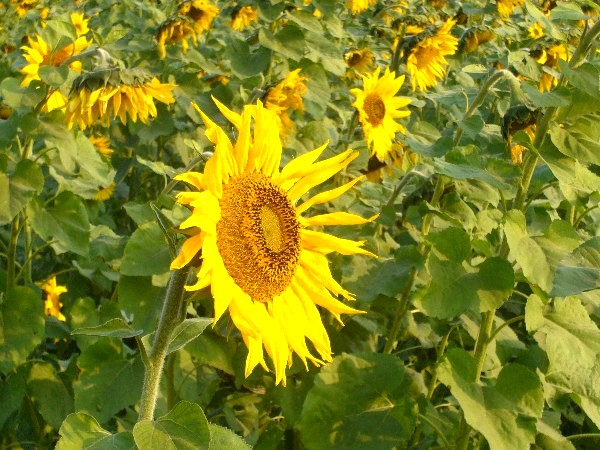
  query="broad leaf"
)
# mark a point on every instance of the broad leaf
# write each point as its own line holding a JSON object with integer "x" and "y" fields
{"x": 45, "y": 388}
{"x": 187, "y": 331}
{"x": 81, "y": 431}
{"x": 146, "y": 252}
{"x": 117, "y": 328}
{"x": 18, "y": 188}
{"x": 221, "y": 438}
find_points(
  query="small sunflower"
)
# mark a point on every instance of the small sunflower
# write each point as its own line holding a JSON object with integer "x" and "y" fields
{"x": 261, "y": 261}
{"x": 427, "y": 62}
{"x": 359, "y": 60}
{"x": 23, "y": 6}
{"x": 102, "y": 144}
{"x": 104, "y": 193}
{"x": 378, "y": 108}
{"x": 506, "y": 7}
{"x": 243, "y": 17}
{"x": 358, "y": 6}
{"x": 535, "y": 31}
{"x": 286, "y": 96}
{"x": 173, "y": 31}
{"x": 80, "y": 23}
{"x": 201, "y": 12}
{"x": 117, "y": 93}
{"x": 52, "y": 304}
{"x": 549, "y": 57}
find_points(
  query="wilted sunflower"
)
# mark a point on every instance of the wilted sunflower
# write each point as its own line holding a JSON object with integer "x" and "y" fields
{"x": 378, "y": 108}
{"x": 39, "y": 53}
{"x": 243, "y": 17}
{"x": 52, "y": 304}
{"x": 285, "y": 96}
{"x": 258, "y": 257}
{"x": 359, "y": 60}
{"x": 358, "y": 6}
{"x": 427, "y": 62}
{"x": 201, "y": 12}
{"x": 506, "y": 7}
{"x": 117, "y": 93}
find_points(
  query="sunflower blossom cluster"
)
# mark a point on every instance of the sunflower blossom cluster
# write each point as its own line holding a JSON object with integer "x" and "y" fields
{"x": 193, "y": 18}
{"x": 286, "y": 96}
{"x": 378, "y": 108}
{"x": 112, "y": 93}
{"x": 243, "y": 17}
{"x": 39, "y": 53}
{"x": 52, "y": 304}
{"x": 426, "y": 62}
{"x": 263, "y": 263}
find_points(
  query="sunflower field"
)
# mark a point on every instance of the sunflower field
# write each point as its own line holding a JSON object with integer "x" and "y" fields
{"x": 300, "y": 224}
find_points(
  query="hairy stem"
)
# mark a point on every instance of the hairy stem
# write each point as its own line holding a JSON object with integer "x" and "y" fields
{"x": 12, "y": 252}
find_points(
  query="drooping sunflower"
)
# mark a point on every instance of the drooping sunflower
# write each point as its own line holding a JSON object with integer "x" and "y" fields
{"x": 242, "y": 17}
{"x": 426, "y": 63}
{"x": 359, "y": 61}
{"x": 358, "y": 6}
{"x": 173, "y": 31}
{"x": 286, "y": 96}
{"x": 52, "y": 304}
{"x": 117, "y": 93}
{"x": 261, "y": 261}
{"x": 201, "y": 12}
{"x": 378, "y": 108}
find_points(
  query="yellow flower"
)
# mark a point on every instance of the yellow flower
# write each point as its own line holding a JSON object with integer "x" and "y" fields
{"x": 361, "y": 60}
{"x": 549, "y": 58}
{"x": 427, "y": 62}
{"x": 173, "y": 31}
{"x": 102, "y": 144}
{"x": 517, "y": 150}
{"x": 243, "y": 17}
{"x": 80, "y": 23}
{"x": 535, "y": 31}
{"x": 39, "y": 53}
{"x": 93, "y": 99}
{"x": 473, "y": 38}
{"x": 378, "y": 108}
{"x": 105, "y": 193}
{"x": 52, "y": 304}
{"x": 506, "y": 7}
{"x": 358, "y": 6}
{"x": 201, "y": 12}
{"x": 24, "y": 6}
{"x": 285, "y": 96}
{"x": 262, "y": 263}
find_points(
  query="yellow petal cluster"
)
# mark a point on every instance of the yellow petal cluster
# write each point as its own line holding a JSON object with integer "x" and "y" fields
{"x": 243, "y": 17}
{"x": 102, "y": 144}
{"x": 359, "y": 61}
{"x": 262, "y": 263}
{"x": 286, "y": 96}
{"x": 378, "y": 108}
{"x": 506, "y": 7}
{"x": 358, "y": 6}
{"x": 85, "y": 107}
{"x": 549, "y": 58}
{"x": 426, "y": 63}
{"x": 201, "y": 12}
{"x": 52, "y": 304}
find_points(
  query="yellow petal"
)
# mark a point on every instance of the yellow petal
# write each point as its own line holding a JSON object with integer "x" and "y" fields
{"x": 189, "y": 249}
{"x": 192, "y": 178}
{"x": 300, "y": 166}
{"x": 326, "y": 243}
{"x": 327, "y": 196}
{"x": 337, "y": 218}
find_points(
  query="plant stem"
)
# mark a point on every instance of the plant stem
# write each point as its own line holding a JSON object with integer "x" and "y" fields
{"x": 169, "y": 319}
{"x": 12, "y": 252}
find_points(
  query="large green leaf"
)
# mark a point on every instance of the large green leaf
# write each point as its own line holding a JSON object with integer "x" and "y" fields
{"x": 224, "y": 438}
{"x": 506, "y": 414}
{"x": 187, "y": 331}
{"x": 108, "y": 382}
{"x": 579, "y": 271}
{"x": 569, "y": 171}
{"x": 581, "y": 140}
{"x": 146, "y": 252}
{"x": 18, "y": 188}
{"x": 585, "y": 77}
{"x": 21, "y": 326}
{"x": 359, "y": 401}
{"x": 184, "y": 428}
{"x": 244, "y": 62}
{"x": 571, "y": 340}
{"x": 66, "y": 223}
{"x": 12, "y": 390}
{"x": 45, "y": 388}
{"x": 140, "y": 301}
{"x": 113, "y": 328}
{"x": 83, "y": 432}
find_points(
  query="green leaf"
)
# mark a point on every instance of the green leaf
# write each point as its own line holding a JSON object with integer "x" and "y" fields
{"x": 12, "y": 391}
{"x": 571, "y": 340}
{"x": 18, "y": 97}
{"x": 585, "y": 77}
{"x": 321, "y": 49}
{"x": 146, "y": 252}
{"x": 45, "y": 388}
{"x": 452, "y": 242}
{"x": 580, "y": 271}
{"x": 81, "y": 431}
{"x": 305, "y": 20}
{"x": 580, "y": 141}
{"x": 555, "y": 98}
{"x": 244, "y": 62}
{"x": 21, "y": 326}
{"x": 224, "y": 438}
{"x": 359, "y": 401}
{"x": 108, "y": 382}
{"x": 18, "y": 188}
{"x": 140, "y": 301}
{"x": 187, "y": 331}
{"x": 496, "y": 282}
{"x": 569, "y": 171}
{"x": 66, "y": 222}
{"x": 567, "y": 11}
{"x": 505, "y": 414}
{"x": 184, "y": 428}
{"x": 116, "y": 328}
{"x": 53, "y": 76}
{"x": 289, "y": 42}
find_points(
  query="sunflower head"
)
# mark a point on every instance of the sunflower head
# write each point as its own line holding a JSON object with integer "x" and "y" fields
{"x": 52, "y": 304}
{"x": 174, "y": 30}
{"x": 242, "y": 17}
{"x": 378, "y": 108}
{"x": 262, "y": 263}
{"x": 286, "y": 96}
{"x": 506, "y": 7}
{"x": 359, "y": 60}
{"x": 201, "y": 12}
{"x": 102, "y": 144}
{"x": 358, "y": 6}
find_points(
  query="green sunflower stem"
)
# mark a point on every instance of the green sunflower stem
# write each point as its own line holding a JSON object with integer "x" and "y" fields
{"x": 169, "y": 319}
{"x": 12, "y": 252}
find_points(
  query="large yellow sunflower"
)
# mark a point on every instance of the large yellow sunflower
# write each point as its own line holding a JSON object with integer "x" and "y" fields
{"x": 261, "y": 261}
{"x": 427, "y": 62}
{"x": 378, "y": 108}
{"x": 52, "y": 304}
